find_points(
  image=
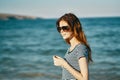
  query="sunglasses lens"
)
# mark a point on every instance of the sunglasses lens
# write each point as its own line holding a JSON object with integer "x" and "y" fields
{"x": 58, "y": 29}
{"x": 64, "y": 28}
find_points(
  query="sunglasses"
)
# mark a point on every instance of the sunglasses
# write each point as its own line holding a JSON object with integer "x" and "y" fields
{"x": 64, "y": 28}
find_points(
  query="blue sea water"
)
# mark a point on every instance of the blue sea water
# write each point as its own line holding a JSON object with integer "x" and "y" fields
{"x": 27, "y": 47}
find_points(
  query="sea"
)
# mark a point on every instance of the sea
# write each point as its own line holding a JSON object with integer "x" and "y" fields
{"x": 27, "y": 47}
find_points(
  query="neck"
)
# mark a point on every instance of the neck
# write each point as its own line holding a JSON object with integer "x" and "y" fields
{"x": 74, "y": 42}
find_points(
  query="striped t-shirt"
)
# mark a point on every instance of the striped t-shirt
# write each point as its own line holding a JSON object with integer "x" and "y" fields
{"x": 72, "y": 58}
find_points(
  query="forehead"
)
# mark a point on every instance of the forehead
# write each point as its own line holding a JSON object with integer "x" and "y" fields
{"x": 63, "y": 23}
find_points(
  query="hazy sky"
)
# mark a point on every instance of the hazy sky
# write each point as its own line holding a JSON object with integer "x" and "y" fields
{"x": 56, "y": 8}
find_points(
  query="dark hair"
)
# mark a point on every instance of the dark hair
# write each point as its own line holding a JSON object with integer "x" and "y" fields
{"x": 76, "y": 28}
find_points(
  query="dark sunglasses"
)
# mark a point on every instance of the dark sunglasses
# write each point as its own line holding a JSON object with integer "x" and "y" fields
{"x": 64, "y": 28}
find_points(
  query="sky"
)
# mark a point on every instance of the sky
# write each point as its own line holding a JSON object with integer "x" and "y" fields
{"x": 56, "y": 8}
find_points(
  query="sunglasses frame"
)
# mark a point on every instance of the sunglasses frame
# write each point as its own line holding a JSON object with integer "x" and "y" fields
{"x": 64, "y": 28}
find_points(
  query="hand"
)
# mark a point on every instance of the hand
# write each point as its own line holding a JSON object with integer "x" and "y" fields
{"x": 58, "y": 61}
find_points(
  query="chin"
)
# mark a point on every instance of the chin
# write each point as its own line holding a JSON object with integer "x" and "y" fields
{"x": 65, "y": 38}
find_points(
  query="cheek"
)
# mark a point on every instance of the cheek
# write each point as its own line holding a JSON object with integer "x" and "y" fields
{"x": 70, "y": 34}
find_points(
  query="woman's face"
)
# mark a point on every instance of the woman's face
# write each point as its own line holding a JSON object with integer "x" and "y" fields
{"x": 65, "y": 30}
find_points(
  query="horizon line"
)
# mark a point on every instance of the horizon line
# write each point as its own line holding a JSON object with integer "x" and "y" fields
{"x": 27, "y": 15}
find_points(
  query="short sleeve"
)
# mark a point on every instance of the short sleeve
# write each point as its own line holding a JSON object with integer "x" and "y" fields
{"x": 82, "y": 51}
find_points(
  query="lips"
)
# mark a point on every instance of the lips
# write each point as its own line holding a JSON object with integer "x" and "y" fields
{"x": 63, "y": 34}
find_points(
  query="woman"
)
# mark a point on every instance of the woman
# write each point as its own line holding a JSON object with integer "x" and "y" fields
{"x": 75, "y": 62}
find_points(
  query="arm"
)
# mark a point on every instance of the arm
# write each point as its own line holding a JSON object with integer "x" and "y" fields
{"x": 83, "y": 75}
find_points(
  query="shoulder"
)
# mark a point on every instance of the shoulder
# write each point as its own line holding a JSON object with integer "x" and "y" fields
{"x": 81, "y": 51}
{"x": 81, "y": 47}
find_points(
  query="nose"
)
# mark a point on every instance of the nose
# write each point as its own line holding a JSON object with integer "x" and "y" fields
{"x": 61, "y": 30}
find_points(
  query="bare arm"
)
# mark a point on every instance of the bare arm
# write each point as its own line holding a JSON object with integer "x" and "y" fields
{"x": 83, "y": 75}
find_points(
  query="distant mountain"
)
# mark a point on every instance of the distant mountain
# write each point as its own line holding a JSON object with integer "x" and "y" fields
{"x": 14, "y": 16}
